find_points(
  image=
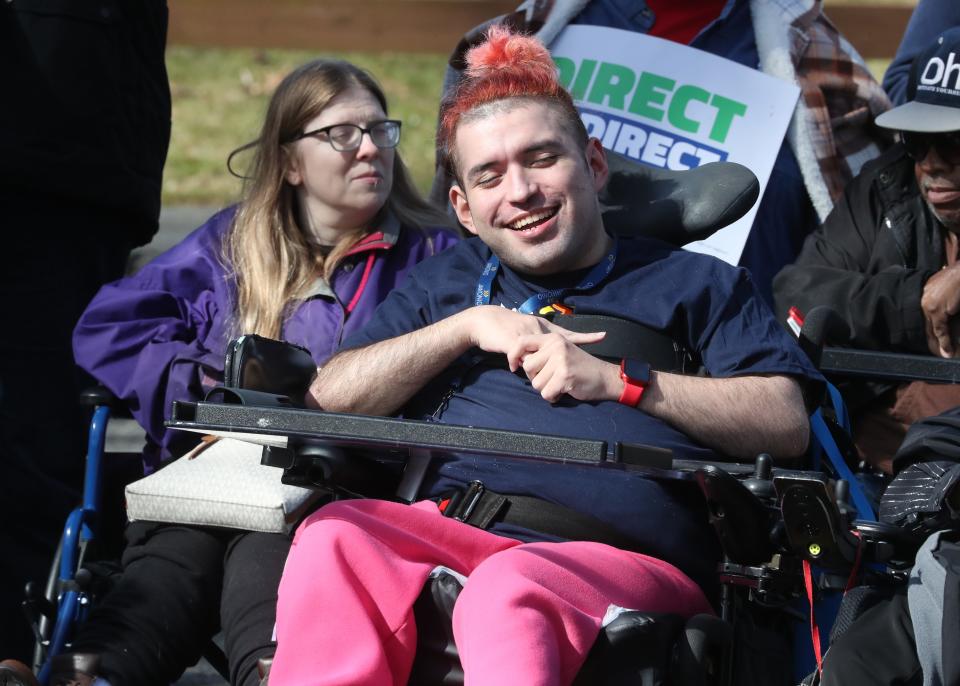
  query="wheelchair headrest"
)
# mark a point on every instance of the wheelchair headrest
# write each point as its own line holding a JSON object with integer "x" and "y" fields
{"x": 677, "y": 207}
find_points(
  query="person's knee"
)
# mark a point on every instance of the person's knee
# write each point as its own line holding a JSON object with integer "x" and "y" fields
{"x": 178, "y": 567}
{"x": 504, "y": 581}
{"x": 254, "y": 558}
{"x": 344, "y": 511}
{"x": 187, "y": 547}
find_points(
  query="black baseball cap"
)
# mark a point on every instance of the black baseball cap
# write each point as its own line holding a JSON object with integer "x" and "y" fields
{"x": 935, "y": 79}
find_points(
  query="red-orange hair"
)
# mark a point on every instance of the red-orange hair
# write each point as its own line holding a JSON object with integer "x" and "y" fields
{"x": 506, "y": 65}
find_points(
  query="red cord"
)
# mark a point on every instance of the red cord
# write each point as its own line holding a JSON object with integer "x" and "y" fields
{"x": 363, "y": 282}
{"x": 808, "y": 584}
{"x": 814, "y": 629}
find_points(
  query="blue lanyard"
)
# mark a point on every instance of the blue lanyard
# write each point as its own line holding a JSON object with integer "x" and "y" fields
{"x": 535, "y": 302}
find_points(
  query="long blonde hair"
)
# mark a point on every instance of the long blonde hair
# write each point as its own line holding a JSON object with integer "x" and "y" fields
{"x": 267, "y": 250}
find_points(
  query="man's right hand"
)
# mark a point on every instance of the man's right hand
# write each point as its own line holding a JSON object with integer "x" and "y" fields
{"x": 940, "y": 303}
{"x": 496, "y": 329}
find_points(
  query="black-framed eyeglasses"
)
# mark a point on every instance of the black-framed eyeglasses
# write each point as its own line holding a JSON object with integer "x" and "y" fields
{"x": 347, "y": 137}
{"x": 918, "y": 145}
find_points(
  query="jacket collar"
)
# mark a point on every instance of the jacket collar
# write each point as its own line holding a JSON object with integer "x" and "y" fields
{"x": 383, "y": 239}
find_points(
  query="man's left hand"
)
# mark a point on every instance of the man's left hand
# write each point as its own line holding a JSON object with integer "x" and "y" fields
{"x": 940, "y": 302}
{"x": 557, "y": 367}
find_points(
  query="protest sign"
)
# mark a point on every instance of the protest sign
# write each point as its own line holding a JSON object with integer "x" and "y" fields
{"x": 669, "y": 105}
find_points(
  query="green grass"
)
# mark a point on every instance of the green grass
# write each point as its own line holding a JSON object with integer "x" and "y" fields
{"x": 877, "y": 67}
{"x": 220, "y": 96}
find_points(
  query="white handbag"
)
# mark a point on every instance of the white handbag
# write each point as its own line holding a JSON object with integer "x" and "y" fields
{"x": 221, "y": 483}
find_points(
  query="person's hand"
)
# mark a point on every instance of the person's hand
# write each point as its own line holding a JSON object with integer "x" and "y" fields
{"x": 940, "y": 303}
{"x": 496, "y": 329}
{"x": 557, "y": 367}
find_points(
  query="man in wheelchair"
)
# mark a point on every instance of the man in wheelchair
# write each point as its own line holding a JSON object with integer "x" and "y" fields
{"x": 547, "y": 553}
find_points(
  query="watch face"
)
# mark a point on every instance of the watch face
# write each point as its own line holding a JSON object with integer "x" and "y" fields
{"x": 636, "y": 370}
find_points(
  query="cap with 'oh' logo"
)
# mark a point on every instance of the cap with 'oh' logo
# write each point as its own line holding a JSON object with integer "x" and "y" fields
{"x": 935, "y": 78}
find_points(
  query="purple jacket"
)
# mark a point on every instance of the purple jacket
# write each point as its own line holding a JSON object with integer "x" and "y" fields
{"x": 161, "y": 334}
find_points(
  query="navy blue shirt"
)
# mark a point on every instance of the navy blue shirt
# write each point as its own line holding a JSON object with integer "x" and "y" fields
{"x": 703, "y": 303}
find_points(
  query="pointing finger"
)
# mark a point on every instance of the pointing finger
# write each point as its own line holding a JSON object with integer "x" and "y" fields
{"x": 583, "y": 338}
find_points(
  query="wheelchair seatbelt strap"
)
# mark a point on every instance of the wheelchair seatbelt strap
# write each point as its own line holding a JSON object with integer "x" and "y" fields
{"x": 478, "y": 506}
{"x": 825, "y": 438}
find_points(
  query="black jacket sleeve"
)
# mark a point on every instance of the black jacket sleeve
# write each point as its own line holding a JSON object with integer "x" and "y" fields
{"x": 862, "y": 263}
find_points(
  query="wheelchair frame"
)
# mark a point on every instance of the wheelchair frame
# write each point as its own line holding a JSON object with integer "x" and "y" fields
{"x": 687, "y": 203}
{"x": 65, "y": 585}
{"x": 318, "y": 455}
{"x": 65, "y": 599}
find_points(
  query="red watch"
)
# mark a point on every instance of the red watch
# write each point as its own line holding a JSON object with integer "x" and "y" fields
{"x": 636, "y": 376}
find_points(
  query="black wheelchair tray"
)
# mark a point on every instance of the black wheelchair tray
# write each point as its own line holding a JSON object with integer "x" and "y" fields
{"x": 396, "y": 436}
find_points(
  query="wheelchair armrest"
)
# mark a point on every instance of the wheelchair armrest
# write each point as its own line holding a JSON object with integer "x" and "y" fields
{"x": 823, "y": 325}
{"x": 677, "y": 207}
{"x": 881, "y": 366}
{"x": 263, "y": 364}
{"x": 94, "y": 396}
{"x": 888, "y": 543}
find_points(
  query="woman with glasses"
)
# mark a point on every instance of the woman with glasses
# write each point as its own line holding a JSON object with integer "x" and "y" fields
{"x": 329, "y": 223}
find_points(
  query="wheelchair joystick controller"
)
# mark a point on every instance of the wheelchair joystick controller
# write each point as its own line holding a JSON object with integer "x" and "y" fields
{"x": 761, "y": 483}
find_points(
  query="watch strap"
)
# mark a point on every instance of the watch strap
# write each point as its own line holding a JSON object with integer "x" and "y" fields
{"x": 632, "y": 388}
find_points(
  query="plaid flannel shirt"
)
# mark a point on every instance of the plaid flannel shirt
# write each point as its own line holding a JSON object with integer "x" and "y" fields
{"x": 839, "y": 97}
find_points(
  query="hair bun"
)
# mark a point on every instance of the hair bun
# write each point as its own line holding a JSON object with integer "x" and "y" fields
{"x": 504, "y": 66}
{"x": 503, "y": 51}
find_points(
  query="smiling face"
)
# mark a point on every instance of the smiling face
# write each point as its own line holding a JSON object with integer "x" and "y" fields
{"x": 939, "y": 182}
{"x": 528, "y": 189}
{"x": 341, "y": 191}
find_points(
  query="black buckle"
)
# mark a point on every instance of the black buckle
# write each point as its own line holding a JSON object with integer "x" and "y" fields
{"x": 464, "y": 502}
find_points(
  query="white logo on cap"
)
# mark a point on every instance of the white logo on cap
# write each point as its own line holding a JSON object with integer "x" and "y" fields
{"x": 942, "y": 72}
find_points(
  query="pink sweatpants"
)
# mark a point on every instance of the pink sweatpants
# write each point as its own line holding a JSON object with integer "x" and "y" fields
{"x": 528, "y": 614}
